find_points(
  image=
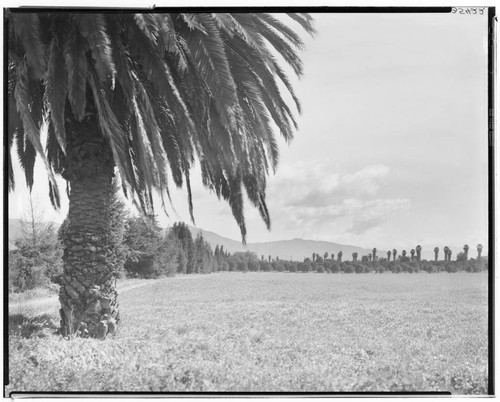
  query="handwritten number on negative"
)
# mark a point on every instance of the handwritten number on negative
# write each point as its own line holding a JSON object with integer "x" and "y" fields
{"x": 468, "y": 10}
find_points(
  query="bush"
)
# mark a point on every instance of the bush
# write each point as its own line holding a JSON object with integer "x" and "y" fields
{"x": 36, "y": 261}
{"x": 346, "y": 267}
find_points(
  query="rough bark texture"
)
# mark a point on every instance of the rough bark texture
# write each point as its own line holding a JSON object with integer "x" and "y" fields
{"x": 89, "y": 305}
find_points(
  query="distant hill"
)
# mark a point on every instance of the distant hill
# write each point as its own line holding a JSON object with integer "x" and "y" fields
{"x": 295, "y": 249}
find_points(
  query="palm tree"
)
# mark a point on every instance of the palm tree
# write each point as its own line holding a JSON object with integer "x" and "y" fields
{"x": 466, "y": 252}
{"x": 436, "y": 252}
{"x": 332, "y": 256}
{"x": 419, "y": 252}
{"x": 403, "y": 253}
{"x": 389, "y": 255}
{"x": 446, "y": 255}
{"x": 479, "y": 251}
{"x": 374, "y": 253}
{"x": 394, "y": 254}
{"x": 449, "y": 254}
{"x": 339, "y": 256}
{"x": 412, "y": 252}
{"x": 354, "y": 257}
{"x": 325, "y": 256}
{"x": 314, "y": 257}
{"x": 139, "y": 95}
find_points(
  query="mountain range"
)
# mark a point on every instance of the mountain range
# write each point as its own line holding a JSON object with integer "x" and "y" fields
{"x": 294, "y": 249}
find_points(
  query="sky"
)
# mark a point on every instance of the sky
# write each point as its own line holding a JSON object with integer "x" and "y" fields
{"x": 391, "y": 149}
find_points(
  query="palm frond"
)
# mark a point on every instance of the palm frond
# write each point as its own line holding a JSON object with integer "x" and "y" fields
{"x": 280, "y": 45}
{"x": 256, "y": 192}
{"x": 32, "y": 132}
{"x": 7, "y": 154}
{"x": 194, "y": 22}
{"x": 232, "y": 193}
{"x": 27, "y": 30}
{"x": 148, "y": 25}
{"x": 158, "y": 72}
{"x": 305, "y": 20}
{"x": 76, "y": 67}
{"x": 92, "y": 28}
{"x": 208, "y": 52}
{"x": 55, "y": 156}
{"x": 56, "y": 91}
{"x": 189, "y": 196}
{"x": 245, "y": 28}
{"x": 54, "y": 197}
{"x": 282, "y": 29}
{"x": 166, "y": 33}
{"x": 111, "y": 128}
{"x": 27, "y": 157}
{"x": 284, "y": 79}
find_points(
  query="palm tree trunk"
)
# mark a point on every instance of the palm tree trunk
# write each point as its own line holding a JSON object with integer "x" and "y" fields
{"x": 89, "y": 305}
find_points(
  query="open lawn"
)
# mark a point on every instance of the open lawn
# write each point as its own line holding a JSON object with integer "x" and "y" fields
{"x": 269, "y": 332}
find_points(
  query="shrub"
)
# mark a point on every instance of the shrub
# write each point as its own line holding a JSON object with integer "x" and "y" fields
{"x": 346, "y": 267}
{"x": 36, "y": 261}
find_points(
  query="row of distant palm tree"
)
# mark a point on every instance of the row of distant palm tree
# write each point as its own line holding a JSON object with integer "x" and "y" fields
{"x": 415, "y": 253}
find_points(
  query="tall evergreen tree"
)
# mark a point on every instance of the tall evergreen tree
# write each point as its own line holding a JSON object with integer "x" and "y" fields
{"x": 182, "y": 232}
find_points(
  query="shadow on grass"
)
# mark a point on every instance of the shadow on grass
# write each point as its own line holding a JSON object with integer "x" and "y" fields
{"x": 29, "y": 327}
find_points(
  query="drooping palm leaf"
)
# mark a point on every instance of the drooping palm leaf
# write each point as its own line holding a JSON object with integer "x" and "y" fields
{"x": 32, "y": 132}
{"x": 76, "y": 65}
{"x": 27, "y": 31}
{"x": 56, "y": 90}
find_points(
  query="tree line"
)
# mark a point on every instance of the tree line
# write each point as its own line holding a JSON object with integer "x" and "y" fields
{"x": 140, "y": 248}
{"x": 249, "y": 261}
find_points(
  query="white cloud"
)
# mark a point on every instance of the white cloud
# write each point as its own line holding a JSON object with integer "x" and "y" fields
{"x": 317, "y": 185}
{"x": 327, "y": 204}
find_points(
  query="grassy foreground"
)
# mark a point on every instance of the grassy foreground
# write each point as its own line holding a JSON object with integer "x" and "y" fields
{"x": 271, "y": 332}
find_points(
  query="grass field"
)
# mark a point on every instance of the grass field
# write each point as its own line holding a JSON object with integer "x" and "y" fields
{"x": 270, "y": 332}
